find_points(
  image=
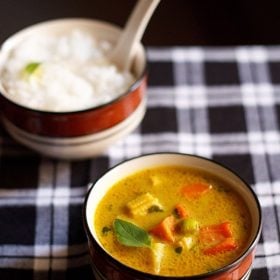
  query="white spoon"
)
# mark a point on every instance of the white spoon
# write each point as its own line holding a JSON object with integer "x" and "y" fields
{"x": 123, "y": 53}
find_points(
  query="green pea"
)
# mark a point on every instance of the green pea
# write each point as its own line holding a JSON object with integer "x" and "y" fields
{"x": 189, "y": 225}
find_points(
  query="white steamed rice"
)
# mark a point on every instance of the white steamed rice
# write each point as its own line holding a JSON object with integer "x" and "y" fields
{"x": 73, "y": 74}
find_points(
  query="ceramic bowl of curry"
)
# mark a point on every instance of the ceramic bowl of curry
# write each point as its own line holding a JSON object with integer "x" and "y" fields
{"x": 171, "y": 216}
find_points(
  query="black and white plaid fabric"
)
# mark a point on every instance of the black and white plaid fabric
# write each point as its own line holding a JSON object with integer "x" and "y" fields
{"x": 221, "y": 103}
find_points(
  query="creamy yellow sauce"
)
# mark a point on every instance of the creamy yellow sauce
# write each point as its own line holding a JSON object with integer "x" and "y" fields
{"x": 216, "y": 206}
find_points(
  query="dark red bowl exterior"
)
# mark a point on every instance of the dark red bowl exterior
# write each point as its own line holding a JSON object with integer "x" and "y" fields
{"x": 72, "y": 124}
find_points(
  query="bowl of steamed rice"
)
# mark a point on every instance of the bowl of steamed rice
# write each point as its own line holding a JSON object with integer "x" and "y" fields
{"x": 61, "y": 95}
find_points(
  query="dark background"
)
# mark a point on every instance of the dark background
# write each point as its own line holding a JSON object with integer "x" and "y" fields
{"x": 176, "y": 22}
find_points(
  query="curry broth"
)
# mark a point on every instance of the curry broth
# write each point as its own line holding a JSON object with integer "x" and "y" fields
{"x": 216, "y": 206}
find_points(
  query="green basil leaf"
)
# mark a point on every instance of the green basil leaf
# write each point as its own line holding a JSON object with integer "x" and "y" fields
{"x": 131, "y": 235}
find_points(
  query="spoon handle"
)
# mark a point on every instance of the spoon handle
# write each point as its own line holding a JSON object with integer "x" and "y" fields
{"x": 124, "y": 51}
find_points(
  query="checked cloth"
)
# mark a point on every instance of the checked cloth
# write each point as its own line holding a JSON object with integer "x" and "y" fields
{"x": 220, "y": 103}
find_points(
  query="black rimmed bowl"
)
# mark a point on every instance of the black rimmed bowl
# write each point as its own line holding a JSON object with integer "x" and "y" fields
{"x": 106, "y": 267}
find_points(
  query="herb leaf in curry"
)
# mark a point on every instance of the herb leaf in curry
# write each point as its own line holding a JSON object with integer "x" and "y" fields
{"x": 178, "y": 250}
{"x": 154, "y": 209}
{"x": 106, "y": 230}
{"x": 131, "y": 235}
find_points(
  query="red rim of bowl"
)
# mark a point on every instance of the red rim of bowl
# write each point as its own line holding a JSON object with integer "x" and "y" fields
{"x": 145, "y": 275}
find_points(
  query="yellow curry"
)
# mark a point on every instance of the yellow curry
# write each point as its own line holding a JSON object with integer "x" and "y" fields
{"x": 173, "y": 221}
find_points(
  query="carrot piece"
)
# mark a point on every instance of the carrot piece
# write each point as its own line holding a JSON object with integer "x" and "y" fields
{"x": 165, "y": 229}
{"x": 222, "y": 228}
{"x": 228, "y": 244}
{"x": 215, "y": 233}
{"x": 181, "y": 211}
{"x": 195, "y": 190}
